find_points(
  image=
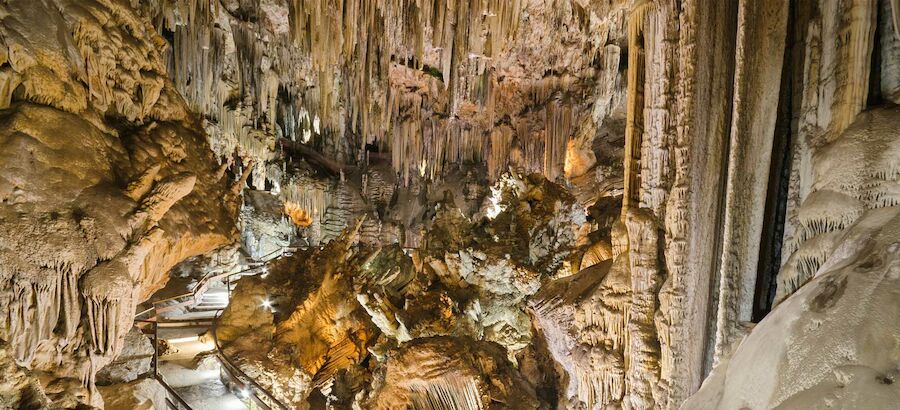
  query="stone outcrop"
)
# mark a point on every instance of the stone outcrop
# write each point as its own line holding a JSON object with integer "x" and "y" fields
{"x": 132, "y": 362}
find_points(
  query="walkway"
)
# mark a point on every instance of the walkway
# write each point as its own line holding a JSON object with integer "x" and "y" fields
{"x": 189, "y": 365}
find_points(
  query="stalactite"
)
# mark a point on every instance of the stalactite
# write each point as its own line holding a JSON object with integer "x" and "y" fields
{"x": 347, "y": 206}
{"x": 109, "y": 308}
{"x": 348, "y": 64}
{"x": 43, "y": 310}
{"x": 634, "y": 120}
{"x": 122, "y": 77}
{"x": 805, "y": 262}
{"x": 558, "y": 129}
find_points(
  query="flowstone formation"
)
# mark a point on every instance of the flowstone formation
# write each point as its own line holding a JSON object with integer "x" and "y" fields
{"x": 833, "y": 343}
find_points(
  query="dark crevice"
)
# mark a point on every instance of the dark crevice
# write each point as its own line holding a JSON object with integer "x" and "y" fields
{"x": 727, "y": 13}
{"x": 776, "y": 196}
{"x": 874, "y": 96}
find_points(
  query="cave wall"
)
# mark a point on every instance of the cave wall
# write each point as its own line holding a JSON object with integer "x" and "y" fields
{"x": 616, "y": 159}
{"x": 106, "y": 182}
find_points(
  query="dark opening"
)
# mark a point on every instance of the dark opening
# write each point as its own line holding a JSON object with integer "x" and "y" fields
{"x": 776, "y": 196}
{"x": 874, "y": 96}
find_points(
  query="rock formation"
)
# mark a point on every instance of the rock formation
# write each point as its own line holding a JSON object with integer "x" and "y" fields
{"x": 106, "y": 182}
{"x": 455, "y": 204}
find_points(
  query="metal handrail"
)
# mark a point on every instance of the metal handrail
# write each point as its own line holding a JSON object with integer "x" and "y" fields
{"x": 238, "y": 374}
{"x": 228, "y": 365}
{"x": 204, "y": 281}
{"x": 172, "y": 393}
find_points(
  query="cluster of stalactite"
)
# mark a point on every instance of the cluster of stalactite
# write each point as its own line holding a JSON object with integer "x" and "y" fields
{"x": 481, "y": 132}
{"x": 435, "y": 84}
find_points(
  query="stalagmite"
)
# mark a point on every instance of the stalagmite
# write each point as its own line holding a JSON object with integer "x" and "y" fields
{"x": 643, "y": 356}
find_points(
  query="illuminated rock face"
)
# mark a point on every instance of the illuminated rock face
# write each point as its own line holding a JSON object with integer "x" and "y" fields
{"x": 354, "y": 321}
{"x": 500, "y": 203}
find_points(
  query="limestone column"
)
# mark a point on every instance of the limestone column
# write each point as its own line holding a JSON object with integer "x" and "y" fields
{"x": 702, "y": 110}
{"x": 634, "y": 114}
{"x": 761, "y": 31}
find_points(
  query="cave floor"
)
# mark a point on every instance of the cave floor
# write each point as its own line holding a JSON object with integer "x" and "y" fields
{"x": 189, "y": 365}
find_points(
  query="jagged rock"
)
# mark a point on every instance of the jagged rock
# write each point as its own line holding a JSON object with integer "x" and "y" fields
{"x": 140, "y": 394}
{"x": 443, "y": 372}
{"x": 19, "y": 388}
{"x": 582, "y": 318}
{"x": 132, "y": 362}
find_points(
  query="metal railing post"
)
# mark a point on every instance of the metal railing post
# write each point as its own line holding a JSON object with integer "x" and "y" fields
{"x": 235, "y": 372}
{"x": 155, "y": 349}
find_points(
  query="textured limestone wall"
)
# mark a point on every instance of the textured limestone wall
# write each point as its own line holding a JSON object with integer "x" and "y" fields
{"x": 759, "y": 57}
{"x": 106, "y": 182}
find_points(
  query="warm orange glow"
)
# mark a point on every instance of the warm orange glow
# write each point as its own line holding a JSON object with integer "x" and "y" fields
{"x": 297, "y": 214}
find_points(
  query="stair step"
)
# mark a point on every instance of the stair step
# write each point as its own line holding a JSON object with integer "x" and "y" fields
{"x": 212, "y": 302}
{"x": 209, "y": 308}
